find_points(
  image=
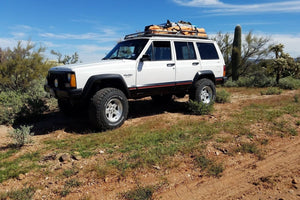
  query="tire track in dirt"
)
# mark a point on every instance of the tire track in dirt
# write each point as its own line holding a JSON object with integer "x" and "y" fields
{"x": 241, "y": 182}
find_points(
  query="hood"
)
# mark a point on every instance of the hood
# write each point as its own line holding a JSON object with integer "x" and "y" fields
{"x": 85, "y": 66}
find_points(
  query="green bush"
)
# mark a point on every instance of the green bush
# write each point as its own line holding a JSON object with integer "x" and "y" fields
{"x": 23, "y": 106}
{"x": 140, "y": 193}
{"x": 21, "y": 135}
{"x": 254, "y": 80}
{"x": 212, "y": 168}
{"x": 271, "y": 91}
{"x": 231, "y": 83}
{"x": 199, "y": 108}
{"x": 21, "y": 194}
{"x": 289, "y": 83}
{"x": 296, "y": 98}
{"x": 21, "y": 65}
{"x": 223, "y": 96}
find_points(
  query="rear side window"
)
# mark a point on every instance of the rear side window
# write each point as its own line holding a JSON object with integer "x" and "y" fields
{"x": 185, "y": 51}
{"x": 207, "y": 51}
{"x": 160, "y": 50}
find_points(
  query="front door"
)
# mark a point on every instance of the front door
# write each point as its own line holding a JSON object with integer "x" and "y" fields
{"x": 158, "y": 72}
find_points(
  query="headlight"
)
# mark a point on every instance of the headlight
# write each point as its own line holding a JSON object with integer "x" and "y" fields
{"x": 71, "y": 81}
{"x": 56, "y": 83}
{"x": 69, "y": 77}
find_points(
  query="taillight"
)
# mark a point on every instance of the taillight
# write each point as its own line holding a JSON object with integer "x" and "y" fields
{"x": 224, "y": 70}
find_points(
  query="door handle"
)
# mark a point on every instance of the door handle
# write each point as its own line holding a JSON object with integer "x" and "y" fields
{"x": 170, "y": 64}
{"x": 195, "y": 63}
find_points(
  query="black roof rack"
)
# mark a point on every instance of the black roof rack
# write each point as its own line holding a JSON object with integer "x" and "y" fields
{"x": 163, "y": 33}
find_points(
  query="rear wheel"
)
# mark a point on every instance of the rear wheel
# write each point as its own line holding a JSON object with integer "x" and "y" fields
{"x": 108, "y": 109}
{"x": 205, "y": 91}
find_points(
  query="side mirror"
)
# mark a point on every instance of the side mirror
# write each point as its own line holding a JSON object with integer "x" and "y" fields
{"x": 145, "y": 57}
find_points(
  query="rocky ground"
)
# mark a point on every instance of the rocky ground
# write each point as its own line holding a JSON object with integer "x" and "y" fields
{"x": 276, "y": 176}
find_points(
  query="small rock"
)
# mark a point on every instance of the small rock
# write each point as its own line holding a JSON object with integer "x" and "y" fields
{"x": 64, "y": 157}
{"x": 156, "y": 167}
{"x": 101, "y": 152}
{"x": 295, "y": 181}
{"x": 51, "y": 156}
{"x": 76, "y": 157}
{"x": 21, "y": 177}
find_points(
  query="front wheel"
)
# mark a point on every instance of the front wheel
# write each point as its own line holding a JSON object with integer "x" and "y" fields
{"x": 205, "y": 91}
{"x": 108, "y": 109}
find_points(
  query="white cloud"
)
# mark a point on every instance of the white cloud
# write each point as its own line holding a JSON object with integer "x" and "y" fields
{"x": 85, "y": 36}
{"x": 8, "y": 42}
{"x": 291, "y": 43}
{"x": 218, "y": 7}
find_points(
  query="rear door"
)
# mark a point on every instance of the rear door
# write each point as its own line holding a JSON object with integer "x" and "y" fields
{"x": 186, "y": 62}
{"x": 210, "y": 59}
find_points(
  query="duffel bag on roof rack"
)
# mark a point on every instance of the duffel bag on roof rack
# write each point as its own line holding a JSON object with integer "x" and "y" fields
{"x": 179, "y": 28}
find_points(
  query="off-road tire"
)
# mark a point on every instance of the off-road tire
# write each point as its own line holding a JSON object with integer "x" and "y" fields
{"x": 205, "y": 91}
{"x": 108, "y": 109}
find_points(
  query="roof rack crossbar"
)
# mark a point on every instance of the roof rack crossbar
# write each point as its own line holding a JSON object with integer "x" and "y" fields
{"x": 165, "y": 33}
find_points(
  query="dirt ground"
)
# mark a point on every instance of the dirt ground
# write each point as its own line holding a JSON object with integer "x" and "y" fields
{"x": 277, "y": 176}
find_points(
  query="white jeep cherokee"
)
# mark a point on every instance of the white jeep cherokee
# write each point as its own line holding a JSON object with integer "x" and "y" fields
{"x": 142, "y": 65}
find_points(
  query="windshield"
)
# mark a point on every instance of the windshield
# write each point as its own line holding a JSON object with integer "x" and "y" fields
{"x": 129, "y": 49}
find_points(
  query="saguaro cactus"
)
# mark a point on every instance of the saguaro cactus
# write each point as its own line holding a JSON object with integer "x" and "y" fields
{"x": 236, "y": 52}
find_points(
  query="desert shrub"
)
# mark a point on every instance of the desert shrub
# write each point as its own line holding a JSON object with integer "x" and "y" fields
{"x": 23, "y": 106}
{"x": 199, "y": 108}
{"x": 22, "y": 194}
{"x": 253, "y": 80}
{"x": 20, "y": 65}
{"x": 289, "y": 83}
{"x": 222, "y": 96}
{"x": 21, "y": 135}
{"x": 212, "y": 168}
{"x": 231, "y": 83}
{"x": 140, "y": 193}
{"x": 271, "y": 91}
{"x": 296, "y": 98}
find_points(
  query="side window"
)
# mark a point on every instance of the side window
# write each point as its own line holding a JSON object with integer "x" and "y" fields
{"x": 185, "y": 51}
{"x": 207, "y": 51}
{"x": 160, "y": 50}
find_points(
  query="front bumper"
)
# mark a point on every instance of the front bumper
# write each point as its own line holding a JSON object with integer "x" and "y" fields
{"x": 62, "y": 94}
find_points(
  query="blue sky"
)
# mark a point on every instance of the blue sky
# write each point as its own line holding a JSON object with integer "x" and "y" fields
{"x": 92, "y": 27}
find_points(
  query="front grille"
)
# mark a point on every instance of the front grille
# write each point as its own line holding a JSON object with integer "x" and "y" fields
{"x": 60, "y": 76}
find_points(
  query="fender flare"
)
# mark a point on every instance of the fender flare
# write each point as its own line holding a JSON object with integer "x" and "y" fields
{"x": 204, "y": 74}
{"x": 116, "y": 79}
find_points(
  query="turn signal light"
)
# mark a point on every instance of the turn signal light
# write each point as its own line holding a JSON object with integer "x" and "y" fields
{"x": 73, "y": 81}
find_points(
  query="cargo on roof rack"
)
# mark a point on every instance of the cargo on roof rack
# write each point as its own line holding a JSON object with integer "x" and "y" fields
{"x": 179, "y": 29}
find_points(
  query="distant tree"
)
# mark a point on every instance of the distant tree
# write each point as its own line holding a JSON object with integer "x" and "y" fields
{"x": 283, "y": 64}
{"x": 236, "y": 52}
{"x": 18, "y": 67}
{"x": 277, "y": 49}
{"x": 66, "y": 59}
{"x": 254, "y": 50}
{"x": 224, "y": 41}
